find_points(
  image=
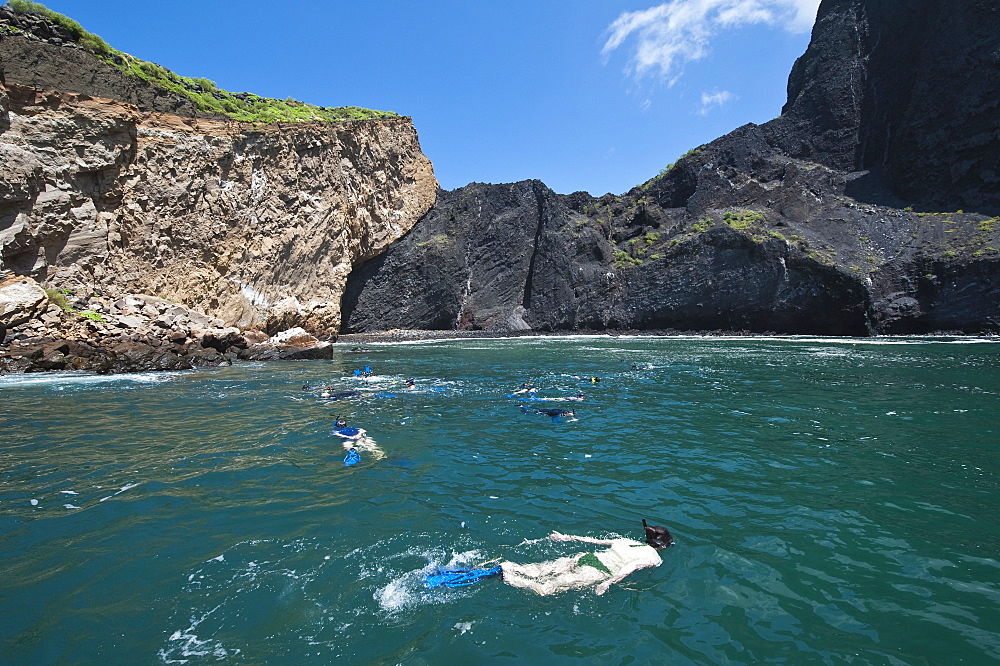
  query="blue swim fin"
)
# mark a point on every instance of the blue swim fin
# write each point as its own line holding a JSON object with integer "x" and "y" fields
{"x": 459, "y": 577}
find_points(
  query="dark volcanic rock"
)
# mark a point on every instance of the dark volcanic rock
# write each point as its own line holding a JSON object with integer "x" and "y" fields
{"x": 487, "y": 257}
{"x": 269, "y": 352}
{"x": 525, "y": 259}
{"x": 908, "y": 90}
{"x": 805, "y": 224}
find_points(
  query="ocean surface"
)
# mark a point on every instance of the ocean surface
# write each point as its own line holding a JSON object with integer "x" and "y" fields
{"x": 832, "y": 501}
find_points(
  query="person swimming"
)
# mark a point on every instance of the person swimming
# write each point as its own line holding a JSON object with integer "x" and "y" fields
{"x": 600, "y": 569}
{"x": 344, "y": 431}
{"x": 338, "y": 396}
{"x": 365, "y": 444}
{"x": 554, "y": 413}
{"x": 573, "y": 398}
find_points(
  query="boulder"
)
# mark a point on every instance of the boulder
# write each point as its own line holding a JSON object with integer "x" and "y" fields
{"x": 295, "y": 344}
{"x": 221, "y": 339}
{"x": 21, "y": 299}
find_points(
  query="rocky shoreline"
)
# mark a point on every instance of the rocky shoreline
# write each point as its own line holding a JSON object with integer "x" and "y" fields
{"x": 416, "y": 335}
{"x": 50, "y": 331}
{"x": 46, "y": 331}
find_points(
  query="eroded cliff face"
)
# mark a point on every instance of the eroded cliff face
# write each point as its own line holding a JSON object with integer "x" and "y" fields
{"x": 258, "y": 226}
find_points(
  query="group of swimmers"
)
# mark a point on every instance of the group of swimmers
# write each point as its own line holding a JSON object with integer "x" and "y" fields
{"x": 598, "y": 569}
{"x": 355, "y": 439}
{"x": 555, "y": 414}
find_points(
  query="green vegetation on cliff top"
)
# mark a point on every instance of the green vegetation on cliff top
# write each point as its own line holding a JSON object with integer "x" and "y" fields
{"x": 208, "y": 98}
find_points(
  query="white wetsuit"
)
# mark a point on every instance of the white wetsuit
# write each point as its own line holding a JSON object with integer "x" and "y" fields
{"x": 583, "y": 569}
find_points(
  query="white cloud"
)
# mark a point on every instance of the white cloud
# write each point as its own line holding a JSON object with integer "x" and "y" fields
{"x": 715, "y": 98}
{"x": 669, "y": 35}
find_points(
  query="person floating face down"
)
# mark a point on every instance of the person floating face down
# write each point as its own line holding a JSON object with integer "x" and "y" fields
{"x": 599, "y": 569}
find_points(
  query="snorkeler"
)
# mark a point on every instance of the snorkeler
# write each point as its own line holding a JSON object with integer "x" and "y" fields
{"x": 554, "y": 414}
{"x": 600, "y": 569}
{"x": 573, "y": 398}
{"x": 338, "y": 396}
{"x": 344, "y": 431}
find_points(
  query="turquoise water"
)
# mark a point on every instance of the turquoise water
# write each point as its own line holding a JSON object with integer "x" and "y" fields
{"x": 832, "y": 502}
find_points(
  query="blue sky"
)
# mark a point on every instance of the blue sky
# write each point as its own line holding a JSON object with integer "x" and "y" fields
{"x": 594, "y": 95}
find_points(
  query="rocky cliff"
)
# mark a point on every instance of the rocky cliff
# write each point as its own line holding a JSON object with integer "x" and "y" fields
{"x": 866, "y": 207}
{"x": 110, "y": 186}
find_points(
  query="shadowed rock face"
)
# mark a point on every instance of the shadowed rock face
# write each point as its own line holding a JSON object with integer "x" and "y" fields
{"x": 492, "y": 257}
{"x": 806, "y": 224}
{"x": 525, "y": 258}
{"x": 909, "y": 90}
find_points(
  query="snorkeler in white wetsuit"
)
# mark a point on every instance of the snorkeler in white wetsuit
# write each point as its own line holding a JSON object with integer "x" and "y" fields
{"x": 600, "y": 569}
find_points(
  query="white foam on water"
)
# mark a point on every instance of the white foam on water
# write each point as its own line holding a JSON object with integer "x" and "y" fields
{"x": 187, "y": 644}
{"x": 69, "y": 492}
{"x": 722, "y": 340}
{"x": 72, "y": 506}
{"x": 62, "y": 380}
{"x": 34, "y": 502}
{"x": 463, "y": 627}
{"x": 407, "y": 590}
{"x": 127, "y": 486}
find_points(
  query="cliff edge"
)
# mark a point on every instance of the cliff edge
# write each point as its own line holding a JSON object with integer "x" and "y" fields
{"x": 110, "y": 185}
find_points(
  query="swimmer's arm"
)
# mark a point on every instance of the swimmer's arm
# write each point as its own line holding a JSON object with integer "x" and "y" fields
{"x": 620, "y": 576}
{"x": 556, "y": 536}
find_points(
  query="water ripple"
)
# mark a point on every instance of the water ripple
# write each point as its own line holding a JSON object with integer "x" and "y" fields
{"x": 830, "y": 501}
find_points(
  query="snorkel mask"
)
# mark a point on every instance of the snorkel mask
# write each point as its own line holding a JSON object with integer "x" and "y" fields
{"x": 657, "y": 537}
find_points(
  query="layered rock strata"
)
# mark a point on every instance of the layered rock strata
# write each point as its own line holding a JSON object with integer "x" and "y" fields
{"x": 113, "y": 190}
{"x": 114, "y": 185}
{"x": 256, "y": 226}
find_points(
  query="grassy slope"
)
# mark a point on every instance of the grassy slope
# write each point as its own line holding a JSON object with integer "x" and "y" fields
{"x": 205, "y": 94}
